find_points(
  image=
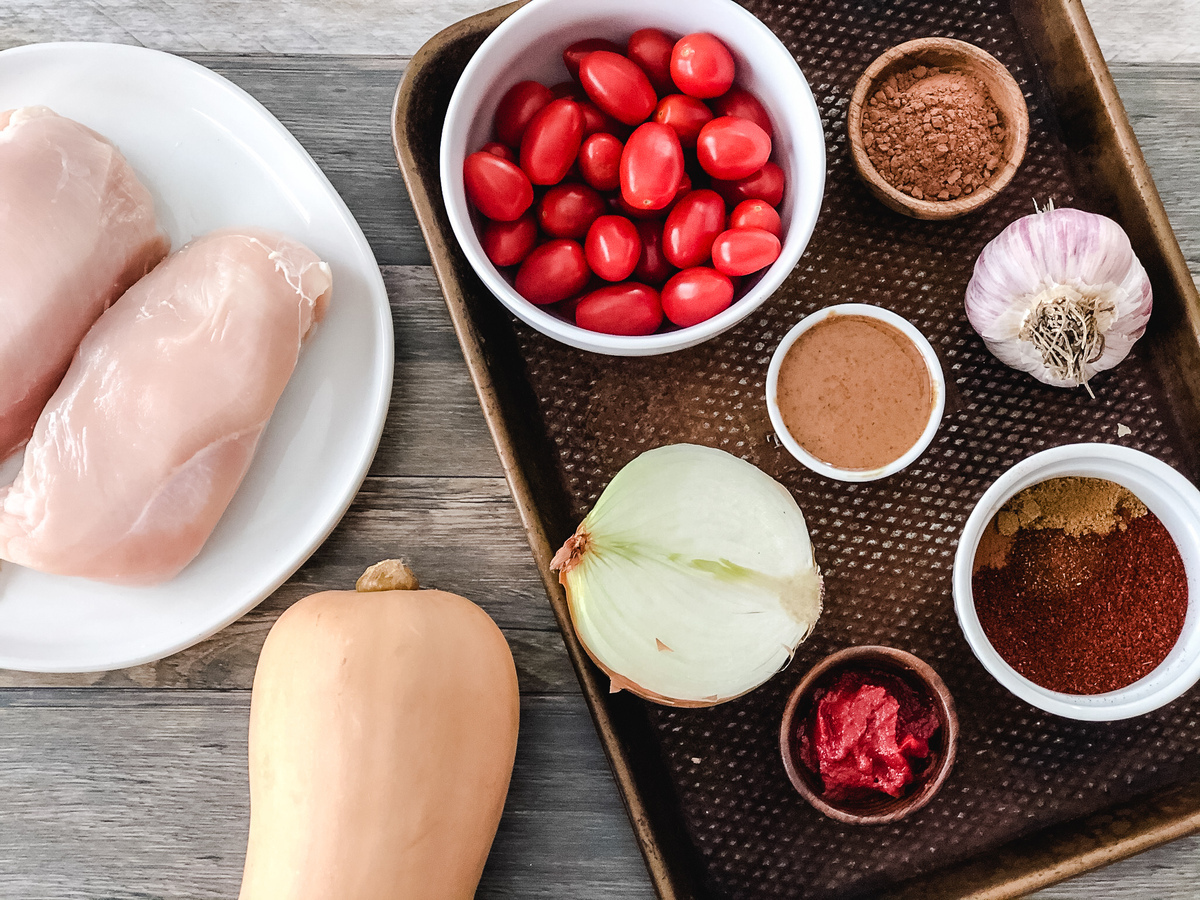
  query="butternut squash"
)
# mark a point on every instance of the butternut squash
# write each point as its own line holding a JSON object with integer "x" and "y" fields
{"x": 383, "y": 726}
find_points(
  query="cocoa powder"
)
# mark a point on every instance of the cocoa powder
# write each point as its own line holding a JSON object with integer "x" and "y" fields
{"x": 934, "y": 134}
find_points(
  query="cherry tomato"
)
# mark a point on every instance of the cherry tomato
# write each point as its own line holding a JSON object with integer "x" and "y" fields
{"x": 701, "y": 66}
{"x": 651, "y": 50}
{"x": 685, "y": 187}
{"x": 500, "y": 150}
{"x": 508, "y": 243}
{"x": 600, "y": 161}
{"x": 496, "y": 187}
{"x": 740, "y": 251}
{"x": 612, "y": 248}
{"x": 568, "y": 90}
{"x": 552, "y": 272}
{"x": 617, "y": 86}
{"x": 756, "y": 214}
{"x": 685, "y": 114}
{"x": 739, "y": 102}
{"x": 551, "y": 142}
{"x": 517, "y": 108}
{"x": 696, "y": 294}
{"x": 652, "y": 267}
{"x": 765, "y": 184}
{"x": 574, "y": 54}
{"x": 568, "y": 210}
{"x": 596, "y": 121}
{"x": 618, "y": 205}
{"x": 730, "y": 148}
{"x": 691, "y": 227}
{"x": 628, "y": 308}
{"x": 651, "y": 166}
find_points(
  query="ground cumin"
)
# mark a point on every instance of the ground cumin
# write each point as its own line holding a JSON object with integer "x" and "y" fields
{"x": 932, "y": 133}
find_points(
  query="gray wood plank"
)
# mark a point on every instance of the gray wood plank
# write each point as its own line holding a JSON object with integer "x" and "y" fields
{"x": 1135, "y": 31}
{"x": 434, "y": 426}
{"x": 143, "y": 794}
{"x": 1163, "y": 103}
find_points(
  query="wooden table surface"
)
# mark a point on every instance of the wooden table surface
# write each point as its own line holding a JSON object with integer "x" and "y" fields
{"x": 132, "y": 784}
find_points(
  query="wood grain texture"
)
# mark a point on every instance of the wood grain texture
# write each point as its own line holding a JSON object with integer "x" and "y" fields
{"x": 1129, "y": 31}
{"x": 144, "y": 794}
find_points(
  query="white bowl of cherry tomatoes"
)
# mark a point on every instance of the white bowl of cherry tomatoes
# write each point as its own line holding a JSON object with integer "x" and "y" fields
{"x": 632, "y": 177}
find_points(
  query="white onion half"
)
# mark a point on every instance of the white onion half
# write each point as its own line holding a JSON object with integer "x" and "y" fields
{"x": 692, "y": 580}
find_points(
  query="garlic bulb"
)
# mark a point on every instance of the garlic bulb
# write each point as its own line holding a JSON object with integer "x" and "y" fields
{"x": 692, "y": 580}
{"x": 1060, "y": 295}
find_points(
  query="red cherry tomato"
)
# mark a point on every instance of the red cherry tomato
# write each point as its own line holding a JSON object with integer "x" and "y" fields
{"x": 574, "y": 54}
{"x": 701, "y": 66}
{"x": 730, "y": 148}
{"x": 496, "y": 187}
{"x": 628, "y": 308}
{"x": 652, "y": 267}
{"x": 508, "y": 243}
{"x": 568, "y": 90}
{"x": 740, "y": 251}
{"x": 596, "y": 121}
{"x": 517, "y": 108}
{"x": 551, "y": 142}
{"x": 693, "y": 295}
{"x": 743, "y": 104}
{"x": 685, "y": 114}
{"x": 612, "y": 248}
{"x": 552, "y": 272}
{"x": 651, "y": 50}
{"x": 756, "y": 214}
{"x": 600, "y": 161}
{"x": 765, "y": 184}
{"x": 651, "y": 166}
{"x": 691, "y": 227}
{"x": 500, "y": 150}
{"x": 568, "y": 210}
{"x": 617, "y": 86}
{"x": 618, "y": 205}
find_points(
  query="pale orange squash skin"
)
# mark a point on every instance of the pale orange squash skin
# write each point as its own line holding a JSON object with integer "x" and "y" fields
{"x": 383, "y": 728}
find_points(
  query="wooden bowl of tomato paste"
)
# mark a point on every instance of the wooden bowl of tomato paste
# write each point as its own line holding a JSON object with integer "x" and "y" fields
{"x": 869, "y": 735}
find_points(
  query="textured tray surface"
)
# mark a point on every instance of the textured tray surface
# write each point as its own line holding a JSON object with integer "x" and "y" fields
{"x": 887, "y": 548}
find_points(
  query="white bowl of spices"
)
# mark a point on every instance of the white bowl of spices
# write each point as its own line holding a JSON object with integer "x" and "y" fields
{"x": 855, "y": 392}
{"x": 1076, "y": 582}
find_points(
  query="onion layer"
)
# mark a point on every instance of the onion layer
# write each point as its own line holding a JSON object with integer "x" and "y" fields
{"x": 692, "y": 580}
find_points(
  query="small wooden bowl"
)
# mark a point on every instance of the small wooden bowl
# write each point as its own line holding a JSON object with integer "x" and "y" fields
{"x": 945, "y": 53}
{"x": 880, "y": 809}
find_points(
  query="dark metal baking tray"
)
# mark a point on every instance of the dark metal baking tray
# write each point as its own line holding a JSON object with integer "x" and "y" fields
{"x": 1033, "y": 799}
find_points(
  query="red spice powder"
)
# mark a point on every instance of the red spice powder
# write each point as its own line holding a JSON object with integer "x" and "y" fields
{"x": 1085, "y": 614}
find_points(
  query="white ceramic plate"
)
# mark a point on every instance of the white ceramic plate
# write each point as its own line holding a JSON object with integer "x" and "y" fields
{"x": 212, "y": 156}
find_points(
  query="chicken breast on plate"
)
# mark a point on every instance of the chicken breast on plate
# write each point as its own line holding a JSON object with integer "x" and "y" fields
{"x": 146, "y": 440}
{"x": 77, "y": 228}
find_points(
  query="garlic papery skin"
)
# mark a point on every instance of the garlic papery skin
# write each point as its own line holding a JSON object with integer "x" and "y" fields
{"x": 1060, "y": 294}
{"x": 692, "y": 580}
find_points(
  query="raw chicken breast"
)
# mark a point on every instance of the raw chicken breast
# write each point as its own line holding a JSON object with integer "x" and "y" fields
{"x": 76, "y": 230}
{"x": 145, "y": 441}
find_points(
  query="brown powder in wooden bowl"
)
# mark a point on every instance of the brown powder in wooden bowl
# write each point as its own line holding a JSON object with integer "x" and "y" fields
{"x": 933, "y": 134}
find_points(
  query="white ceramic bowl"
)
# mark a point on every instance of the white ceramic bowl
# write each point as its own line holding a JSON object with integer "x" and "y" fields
{"x": 931, "y": 363}
{"x": 1169, "y": 496}
{"x": 529, "y": 45}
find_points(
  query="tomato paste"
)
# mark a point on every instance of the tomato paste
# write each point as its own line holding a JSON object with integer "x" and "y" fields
{"x": 867, "y": 732}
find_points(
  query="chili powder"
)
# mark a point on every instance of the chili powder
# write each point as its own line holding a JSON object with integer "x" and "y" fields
{"x": 1084, "y": 613}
